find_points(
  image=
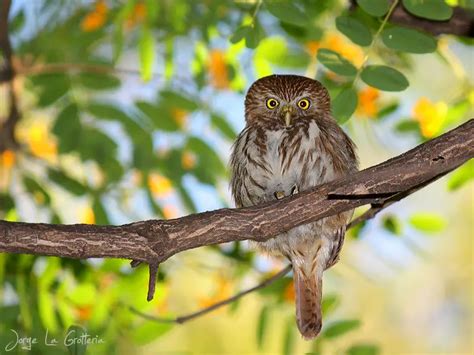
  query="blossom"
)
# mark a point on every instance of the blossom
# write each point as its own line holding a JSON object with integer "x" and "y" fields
{"x": 88, "y": 216}
{"x": 96, "y": 18}
{"x": 430, "y": 116}
{"x": 188, "y": 160}
{"x": 217, "y": 67}
{"x": 367, "y": 103}
{"x": 159, "y": 185}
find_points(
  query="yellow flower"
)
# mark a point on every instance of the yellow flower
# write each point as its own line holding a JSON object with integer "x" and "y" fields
{"x": 88, "y": 216}
{"x": 37, "y": 137}
{"x": 430, "y": 116}
{"x": 159, "y": 185}
{"x": 180, "y": 116}
{"x": 7, "y": 159}
{"x": 188, "y": 160}
{"x": 96, "y": 18}
{"x": 367, "y": 104}
{"x": 217, "y": 68}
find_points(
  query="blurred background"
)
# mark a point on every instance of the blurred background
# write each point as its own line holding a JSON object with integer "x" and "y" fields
{"x": 115, "y": 111}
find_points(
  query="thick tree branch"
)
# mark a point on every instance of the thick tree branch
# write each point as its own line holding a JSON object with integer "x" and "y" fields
{"x": 154, "y": 241}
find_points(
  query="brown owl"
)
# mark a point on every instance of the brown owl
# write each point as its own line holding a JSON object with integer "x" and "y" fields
{"x": 292, "y": 143}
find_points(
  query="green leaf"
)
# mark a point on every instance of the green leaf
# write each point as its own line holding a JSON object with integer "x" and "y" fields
{"x": 387, "y": 110}
{"x": 146, "y": 50}
{"x": 68, "y": 128}
{"x": 289, "y": 339}
{"x": 408, "y": 40}
{"x": 436, "y": 10}
{"x": 392, "y": 224}
{"x": 329, "y": 304}
{"x": 240, "y": 34}
{"x": 84, "y": 294}
{"x": 149, "y": 331}
{"x": 355, "y": 30}
{"x": 408, "y": 125}
{"x": 39, "y": 194}
{"x": 287, "y": 11}
{"x": 66, "y": 182}
{"x": 344, "y": 105}
{"x": 6, "y": 202}
{"x": 76, "y": 347}
{"x": 272, "y": 49}
{"x": 98, "y": 81}
{"x": 100, "y": 213}
{"x": 384, "y": 78}
{"x": 363, "y": 349}
{"x": 160, "y": 116}
{"x": 223, "y": 126}
{"x": 335, "y": 62}
{"x": 209, "y": 166}
{"x": 177, "y": 100}
{"x": 51, "y": 87}
{"x": 428, "y": 222}
{"x": 461, "y": 175}
{"x": 261, "y": 325}
{"x": 339, "y": 328}
{"x": 374, "y": 7}
{"x": 254, "y": 36}
{"x": 47, "y": 310}
{"x": 97, "y": 146}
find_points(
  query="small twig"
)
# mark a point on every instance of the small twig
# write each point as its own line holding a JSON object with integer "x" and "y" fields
{"x": 185, "y": 318}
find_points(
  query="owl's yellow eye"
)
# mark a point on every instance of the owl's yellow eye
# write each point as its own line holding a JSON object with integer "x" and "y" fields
{"x": 303, "y": 104}
{"x": 272, "y": 103}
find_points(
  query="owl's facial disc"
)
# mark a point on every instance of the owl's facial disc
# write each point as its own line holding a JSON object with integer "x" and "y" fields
{"x": 286, "y": 113}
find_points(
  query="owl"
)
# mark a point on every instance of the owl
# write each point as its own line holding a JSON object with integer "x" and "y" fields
{"x": 292, "y": 143}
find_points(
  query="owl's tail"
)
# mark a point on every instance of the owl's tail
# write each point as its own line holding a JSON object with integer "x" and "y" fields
{"x": 308, "y": 290}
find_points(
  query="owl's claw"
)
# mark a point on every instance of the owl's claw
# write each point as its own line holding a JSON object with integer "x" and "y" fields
{"x": 295, "y": 190}
{"x": 279, "y": 195}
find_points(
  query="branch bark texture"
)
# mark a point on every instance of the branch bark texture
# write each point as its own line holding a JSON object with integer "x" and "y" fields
{"x": 154, "y": 241}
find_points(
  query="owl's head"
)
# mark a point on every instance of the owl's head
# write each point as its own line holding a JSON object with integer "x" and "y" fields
{"x": 285, "y": 99}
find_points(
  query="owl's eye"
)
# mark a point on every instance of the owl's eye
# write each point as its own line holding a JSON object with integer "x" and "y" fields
{"x": 303, "y": 104}
{"x": 272, "y": 103}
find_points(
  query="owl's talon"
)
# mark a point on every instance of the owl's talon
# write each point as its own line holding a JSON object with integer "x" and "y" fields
{"x": 295, "y": 190}
{"x": 279, "y": 195}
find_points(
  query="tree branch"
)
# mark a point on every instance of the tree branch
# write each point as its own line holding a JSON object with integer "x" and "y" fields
{"x": 201, "y": 312}
{"x": 154, "y": 241}
{"x": 7, "y": 72}
{"x": 460, "y": 24}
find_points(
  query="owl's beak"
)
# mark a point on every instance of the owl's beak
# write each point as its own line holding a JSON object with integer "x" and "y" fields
{"x": 286, "y": 113}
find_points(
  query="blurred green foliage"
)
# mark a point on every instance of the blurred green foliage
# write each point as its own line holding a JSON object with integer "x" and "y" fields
{"x": 97, "y": 146}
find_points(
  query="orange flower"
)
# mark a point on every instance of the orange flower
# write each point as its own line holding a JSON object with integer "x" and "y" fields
{"x": 137, "y": 16}
{"x": 170, "y": 212}
{"x": 7, "y": 159}
{"x": 367, "y": 105}
{"x": 430, "y": 116}
{"x": 289, "y": 292}
{"x": 179, "y": 116}
{"x": 88, "y": 216}
{"x": 218, "y": 72}
{"x": 188, "y": 160}
{"x": 224, "y": 289}
{"x": 312, "y": 47}
{"x": 159, "y": 185}
{"x": 344, "y": 47}
{"x": 84, "y": 313}
{"x": 96, "y": 18}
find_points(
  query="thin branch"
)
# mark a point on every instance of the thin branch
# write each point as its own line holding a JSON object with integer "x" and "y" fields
{"x": 7, "y": 128}
{"x": 154, "y": 241}
{"x": 201, "y": 312}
